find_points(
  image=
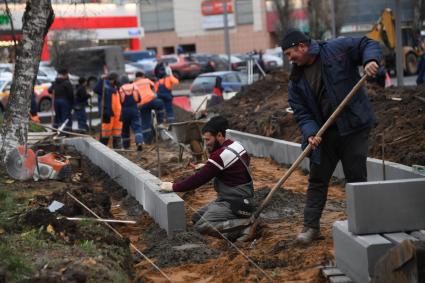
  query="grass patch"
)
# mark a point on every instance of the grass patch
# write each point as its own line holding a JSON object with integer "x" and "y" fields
{"x": 89, "y": 247}
{"x": 35, "y": 239}
{"x": 17, "y": 268}
{"x": 8, "y": 205}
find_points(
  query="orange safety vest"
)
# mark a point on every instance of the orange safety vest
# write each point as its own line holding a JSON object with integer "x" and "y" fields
{"x": 114, "y": 127}
{"x": 168, "y": 82}
{"x": 144, "y": 86}
{"x": 130, "y": 89}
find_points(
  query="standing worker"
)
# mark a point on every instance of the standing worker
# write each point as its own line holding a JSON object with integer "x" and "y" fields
{"x": 228, "y": 164}
{"x": 81, "y": 101}
{"x": 323, "y": 74}
{"x": 420, "y": 80}
{"x": 148, "y": 103}
{"x": 110, "y": 109}
{"x": 163, "y": 88}
{"x": 33, "y": 109}
{"x": 130, "y": 97}
{"x": 63, "y": 97}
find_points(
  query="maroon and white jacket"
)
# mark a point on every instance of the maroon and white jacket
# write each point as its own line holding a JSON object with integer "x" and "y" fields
{"x": 222, "y": 164}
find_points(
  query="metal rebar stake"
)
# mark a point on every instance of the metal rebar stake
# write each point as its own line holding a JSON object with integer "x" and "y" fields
{"x": 155, "y": 126}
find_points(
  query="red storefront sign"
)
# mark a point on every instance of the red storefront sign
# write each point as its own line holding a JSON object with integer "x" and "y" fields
{"x": 216, "y": 7}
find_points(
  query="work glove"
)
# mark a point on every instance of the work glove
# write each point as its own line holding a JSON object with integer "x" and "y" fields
{"x": 166, "y": 187}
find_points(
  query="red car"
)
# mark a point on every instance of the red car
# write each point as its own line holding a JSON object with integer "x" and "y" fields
{"x": 43, "y": 98}
{"x": 183, "y": 66}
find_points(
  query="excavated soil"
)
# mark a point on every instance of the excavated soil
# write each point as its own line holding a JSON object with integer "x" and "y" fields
{"x": 57, "y": 249}
{"x": 261, "y": 109}
{"x": 191, "y": 257}
{"x": 37, "y": 245}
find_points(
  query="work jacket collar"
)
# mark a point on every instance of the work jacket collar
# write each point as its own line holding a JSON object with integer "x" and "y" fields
{"x": 314, "y": 48}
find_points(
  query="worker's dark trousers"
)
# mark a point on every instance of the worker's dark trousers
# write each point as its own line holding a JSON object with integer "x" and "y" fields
{"x": 131, "y": 119}
{"x": 352, "y": 151}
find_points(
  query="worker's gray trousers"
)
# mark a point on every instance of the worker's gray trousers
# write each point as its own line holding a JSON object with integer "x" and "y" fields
{"x": 352, "y": 151}
{"x": 218, "y": 217}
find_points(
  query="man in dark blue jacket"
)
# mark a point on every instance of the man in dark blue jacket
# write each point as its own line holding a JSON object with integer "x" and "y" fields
{"x": 323, "y": 74}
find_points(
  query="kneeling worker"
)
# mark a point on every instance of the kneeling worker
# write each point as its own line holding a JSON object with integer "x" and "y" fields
{"x": 228, "y": 164}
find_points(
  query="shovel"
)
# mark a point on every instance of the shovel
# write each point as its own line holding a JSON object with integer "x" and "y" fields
{"x": 331, "y": 119}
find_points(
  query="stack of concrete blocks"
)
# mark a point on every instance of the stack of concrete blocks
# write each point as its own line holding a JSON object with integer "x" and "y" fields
{"x": 379, "y": 212}
{"x": 166, "y": 209}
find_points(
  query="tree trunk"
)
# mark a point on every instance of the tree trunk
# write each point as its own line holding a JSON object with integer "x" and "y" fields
{"x": 37, "y": 19}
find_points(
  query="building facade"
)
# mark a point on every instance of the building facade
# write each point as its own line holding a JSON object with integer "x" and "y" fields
{"x": 197, "y": 26}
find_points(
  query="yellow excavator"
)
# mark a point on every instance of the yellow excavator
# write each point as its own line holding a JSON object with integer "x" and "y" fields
{"x": 384, "y": 32}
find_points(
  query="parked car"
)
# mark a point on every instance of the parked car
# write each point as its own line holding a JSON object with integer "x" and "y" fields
{"x": 236, "y": 63}
{"x": 182, "y": 66}
{"x": 202, "y": 87}
{"x": 43, "y": 98}
{"x": 146, "y": 67}
{"x": 207, "y": 64}
{"x": 271, "y": 62}
{"x": 139, "y": 55}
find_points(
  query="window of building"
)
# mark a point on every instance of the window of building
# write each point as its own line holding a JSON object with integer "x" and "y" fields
{"x": 157, "y": 15}
{"x": 244, "y": 12}
{"x": 188, "y": 48}
{"x": 168, "y": 50}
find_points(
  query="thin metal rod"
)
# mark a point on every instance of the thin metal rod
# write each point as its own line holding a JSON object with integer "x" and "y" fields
{"x": 383, "y": 157}
{"x": 119, "y": 234}
{"x": 98, "y": 220}
{"x": 307, "y": 150}
{"x": 61, "y": 131}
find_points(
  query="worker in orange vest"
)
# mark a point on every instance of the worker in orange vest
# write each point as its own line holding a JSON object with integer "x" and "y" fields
{"x": 110, "y": 109}
{"x": 163, "y": 88}
{"x": 129, "y": 98}
{"x": 33, "y": 110}
{"x": 148, "y": 103}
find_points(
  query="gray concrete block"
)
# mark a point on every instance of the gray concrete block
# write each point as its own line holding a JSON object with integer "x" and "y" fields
{"x": 356, "y": 256}
{"x": 333, "y": 271}
{"x": 340, "y": 279}
{"x": 166, "y": 209}
{"x": 285, "y": 152}
{"x": 420, "y": 235}
{"x": 397, "y": 238}
{"x": 385, "y": 207}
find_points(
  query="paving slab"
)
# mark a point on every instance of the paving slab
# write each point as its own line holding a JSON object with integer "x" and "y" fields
{"x": 356, "y": 256}
{"x": 166, "y": 209}
{"x": 340, "y": 279}
{"x": 397, "y": 238}
{"x": 331, "y": 272}
{"x": 386, "y": 206}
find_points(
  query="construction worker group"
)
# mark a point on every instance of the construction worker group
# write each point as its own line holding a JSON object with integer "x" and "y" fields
{"x": 126, "y": 106}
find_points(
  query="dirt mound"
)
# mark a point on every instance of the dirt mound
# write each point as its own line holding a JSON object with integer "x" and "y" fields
{"x": 183, "y": 248}
{"x": 261, "y": 108}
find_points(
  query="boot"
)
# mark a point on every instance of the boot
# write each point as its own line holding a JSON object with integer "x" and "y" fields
{"x": 104, "y": 140}
{"x": 139, "y": 147}
{"x": 116, "y": 142}
{"x": 308, "y": 235}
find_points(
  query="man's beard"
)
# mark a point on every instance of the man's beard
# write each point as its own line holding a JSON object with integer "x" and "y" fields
{"x": 215, "y": 146}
